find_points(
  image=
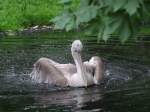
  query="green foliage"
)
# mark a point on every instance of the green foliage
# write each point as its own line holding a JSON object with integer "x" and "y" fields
{"x": 67, "y": 19}
{"x": 103, "y": 17}
{"x": 85, "y": 14}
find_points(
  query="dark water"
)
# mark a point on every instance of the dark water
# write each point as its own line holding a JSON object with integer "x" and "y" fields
{"x": 126, "y": 86}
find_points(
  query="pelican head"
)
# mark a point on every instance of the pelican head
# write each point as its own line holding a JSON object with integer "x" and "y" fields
{"x": 76, "y": 46}
{"x": 95, "y": 60}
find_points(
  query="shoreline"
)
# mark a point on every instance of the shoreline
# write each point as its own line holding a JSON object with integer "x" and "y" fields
{"x": 45, "y": 28}
{"x": 28, "y": 31}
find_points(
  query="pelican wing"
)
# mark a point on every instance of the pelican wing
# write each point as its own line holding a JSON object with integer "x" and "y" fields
{"x": 46, "y": 72}
{"x": 89, "y": 67}
{"x": 69, "y": 69}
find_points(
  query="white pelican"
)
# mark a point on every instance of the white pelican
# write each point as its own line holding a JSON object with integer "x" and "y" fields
{"x": 79, "y": 75}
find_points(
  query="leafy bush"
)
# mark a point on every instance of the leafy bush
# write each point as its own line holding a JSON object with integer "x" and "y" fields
{"x": 103, "y": 17}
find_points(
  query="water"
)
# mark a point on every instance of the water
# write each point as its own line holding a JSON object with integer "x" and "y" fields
{"x": 126, "y": 86}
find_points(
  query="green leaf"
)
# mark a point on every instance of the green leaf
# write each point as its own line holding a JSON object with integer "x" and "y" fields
{"x": 85, "y": 14}
{"x": 109, "y": 3}
{"x": 71, "y": 24}
{"x": 84, "y": 3}
{"x": 62, "y": 20}
{"x": 119, "y": 4}
{"x": 125, "y": 32}
{"x": 92, "y": 28}
{"x": 101, "y": 31}
{"x": 132, "y": 6}
{"x": 65, "y": 1}
{"x": 106, "y": 33}
{"x": 111, "y": 25}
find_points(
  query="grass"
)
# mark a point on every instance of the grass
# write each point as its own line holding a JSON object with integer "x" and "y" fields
{"x": 145, "y": 30}
{"x": 15, "y": 14}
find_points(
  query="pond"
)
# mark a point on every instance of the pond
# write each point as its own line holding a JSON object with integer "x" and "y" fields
{"x": 126, "y": 86}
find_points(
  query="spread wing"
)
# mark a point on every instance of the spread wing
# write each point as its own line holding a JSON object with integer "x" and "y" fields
{"x": 67, "y": 69}
{"x": 46, "y": 71}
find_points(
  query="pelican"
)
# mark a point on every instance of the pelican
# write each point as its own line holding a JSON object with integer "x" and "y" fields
{"x": 82, "y": 74}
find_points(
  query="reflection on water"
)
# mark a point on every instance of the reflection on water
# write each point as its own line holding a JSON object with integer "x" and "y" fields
{"x": 70, "y": 100}
{"x": 126, "y": 86}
